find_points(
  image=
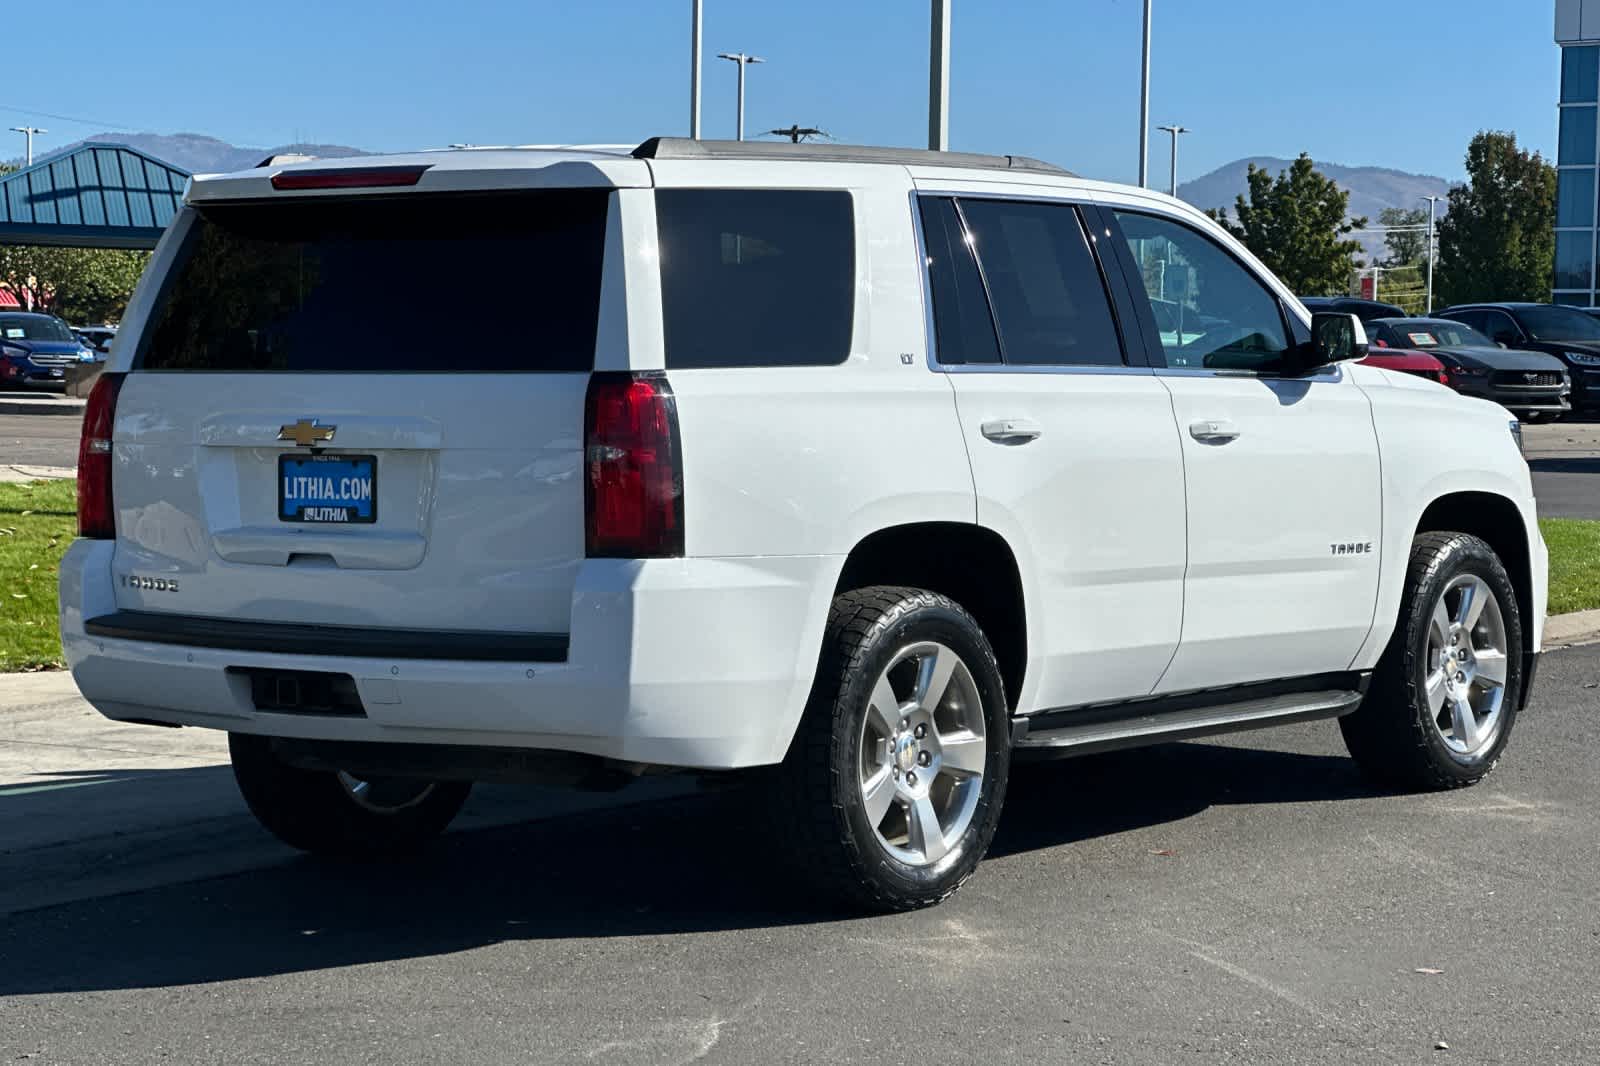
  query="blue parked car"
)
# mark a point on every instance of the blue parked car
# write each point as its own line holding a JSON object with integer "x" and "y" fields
{"x": 35, "y": 351}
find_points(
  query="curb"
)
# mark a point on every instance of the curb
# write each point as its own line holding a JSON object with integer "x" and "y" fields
{"x": 1572, "y": 630}
{"x": 43, "y": 407}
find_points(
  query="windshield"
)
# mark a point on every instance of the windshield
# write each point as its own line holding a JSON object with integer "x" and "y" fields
{"x": 1437, "y": 333}
{"x": 1558, "y": 324}
{"x": 33, "y": 328}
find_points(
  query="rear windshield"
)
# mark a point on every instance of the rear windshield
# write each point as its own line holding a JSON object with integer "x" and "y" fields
{"x": 401, "y": 285}
{"x": 33, "y": 328}
{"x": 756, "y": 277}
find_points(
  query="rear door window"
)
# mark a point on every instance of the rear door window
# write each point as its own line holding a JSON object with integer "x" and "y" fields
{"x": 756, "y": 277}
{"x": 386, "y": 284}
{"x": 962, "y": 326}
{"x": 1050, "y": 302}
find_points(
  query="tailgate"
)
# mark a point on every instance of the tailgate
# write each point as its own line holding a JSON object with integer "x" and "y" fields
{"x": 365, "y": 413}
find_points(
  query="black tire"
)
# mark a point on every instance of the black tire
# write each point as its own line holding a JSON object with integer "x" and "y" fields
{"x": 1392, "y": 736}
{"x": 817, "y": 792}
{"x": 314, "y": 811}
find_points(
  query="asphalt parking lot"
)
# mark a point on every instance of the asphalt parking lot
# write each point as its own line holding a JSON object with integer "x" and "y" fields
{"x": 1250, "y": 900}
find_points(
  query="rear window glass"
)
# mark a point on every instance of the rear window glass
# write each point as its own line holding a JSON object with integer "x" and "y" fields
{"x": 401, "y": 285}
{"x": 756, "y": 277}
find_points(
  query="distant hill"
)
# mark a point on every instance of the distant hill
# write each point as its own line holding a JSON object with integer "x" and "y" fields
{"x": 199, "y": 154}
{"x": 1371, "y": 189}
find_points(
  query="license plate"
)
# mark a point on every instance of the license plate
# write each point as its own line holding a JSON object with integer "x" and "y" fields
{"x": 55, "y": 373}
{"x": 327, "y": 488}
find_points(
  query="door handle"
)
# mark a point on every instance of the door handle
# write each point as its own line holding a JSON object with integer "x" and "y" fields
{"x": 1012, "y": 430}
{"x": 1213, "y": 431}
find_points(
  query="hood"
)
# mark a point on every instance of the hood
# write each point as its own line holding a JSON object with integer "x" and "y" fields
{"x": 43, "y": 347}
{"x": 1499, "y": 358}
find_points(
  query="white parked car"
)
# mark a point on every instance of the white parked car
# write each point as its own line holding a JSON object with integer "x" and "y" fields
{"x": 874, "y": 465}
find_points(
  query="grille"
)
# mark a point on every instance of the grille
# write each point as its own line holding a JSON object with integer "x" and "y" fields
{"x": 1527, "y": 379}
{"x": 53, "y": 359}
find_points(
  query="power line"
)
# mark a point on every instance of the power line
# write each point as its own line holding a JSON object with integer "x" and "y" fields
{"x": 68, "y": 118}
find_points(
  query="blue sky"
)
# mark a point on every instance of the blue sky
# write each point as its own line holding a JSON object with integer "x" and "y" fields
{"x": 1399, "y": 83}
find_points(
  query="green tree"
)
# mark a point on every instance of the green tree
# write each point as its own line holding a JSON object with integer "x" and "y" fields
{"x": 1296, "y": 225}
{"x": 79, "y": 284}
{"x": 1407, "y": 246}
{"x": 1498, "y": 240}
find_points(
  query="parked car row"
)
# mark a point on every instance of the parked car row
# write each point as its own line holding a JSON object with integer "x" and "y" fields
{"x": 36, "y": 350}
{"x": 1537, "y": 360}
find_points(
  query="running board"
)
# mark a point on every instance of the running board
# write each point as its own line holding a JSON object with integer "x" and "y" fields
{"x": 1162, "y": 719}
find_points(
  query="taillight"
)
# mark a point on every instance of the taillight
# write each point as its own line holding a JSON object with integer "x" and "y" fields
{"x": 1444, "y": 379}
{"x": 96, "y": 512}
{"x": 633, "y": 465}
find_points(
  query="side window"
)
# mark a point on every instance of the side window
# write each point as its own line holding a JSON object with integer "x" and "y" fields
{"x": 756, "y": 277}
{"x": 1474, "y": 319}
{"x": 1050, "y": 302}
{"x": 1210, "y": 310}
{"x": 1500, "y": 324}
{"x": 963, "y": 331}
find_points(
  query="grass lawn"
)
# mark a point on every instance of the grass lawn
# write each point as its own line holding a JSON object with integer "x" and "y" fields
{"x": 37, "y": 522}
{"x": 1574, "y": 563}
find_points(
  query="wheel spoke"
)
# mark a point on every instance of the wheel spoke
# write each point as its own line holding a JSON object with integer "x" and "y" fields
{"x": 963, "y": 753}
{"x": 878, "y": 792}
{"x": 926, "y": 836}
{"x": 1473, "y": 597}
{"x": 1441, "y": 623}
{"x": 1491, "y": 667}
{"x": 1464, "y": 722}
{"x": 933, "y": 677}
{"x": 885, "y": 707}
{"x": 1435, "y": 685}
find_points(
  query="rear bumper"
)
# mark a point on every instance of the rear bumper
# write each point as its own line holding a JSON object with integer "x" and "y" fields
{"x": 679, "y": 662}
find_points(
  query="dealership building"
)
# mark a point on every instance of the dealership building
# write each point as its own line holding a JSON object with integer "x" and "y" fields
{"x": 1578, "y": 34}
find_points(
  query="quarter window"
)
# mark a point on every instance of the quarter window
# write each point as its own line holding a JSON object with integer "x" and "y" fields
{"x": 1044, "y": 285}
{"x": 756, "y": 277}
{"x": 1210, "y": 311}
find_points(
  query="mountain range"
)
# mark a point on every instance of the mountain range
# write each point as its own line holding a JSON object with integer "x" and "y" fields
{"x": 1371, "y": 189}
{"x": 200, "y": 154}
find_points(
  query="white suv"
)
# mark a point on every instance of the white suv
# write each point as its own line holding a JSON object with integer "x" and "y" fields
{"x": 884, "y": 466}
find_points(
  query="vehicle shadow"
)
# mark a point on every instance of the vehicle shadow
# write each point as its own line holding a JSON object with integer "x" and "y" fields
{"x": 1577, "y": 465}
{"x": 691, "y": 864}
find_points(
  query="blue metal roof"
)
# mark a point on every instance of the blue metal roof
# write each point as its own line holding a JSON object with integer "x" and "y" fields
{"x": 95, "y": 196}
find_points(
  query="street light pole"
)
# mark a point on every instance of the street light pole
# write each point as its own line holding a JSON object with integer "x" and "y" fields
{"x": 28, "y": 132}
{"x": 1174, "y": 130}
{"x": 694, "y": 68}
{"x": 939, "y": 77}
{"x": 1433, "y": 203}
{"x": 743, "y": 61}
{"x": 1144, "y": 105}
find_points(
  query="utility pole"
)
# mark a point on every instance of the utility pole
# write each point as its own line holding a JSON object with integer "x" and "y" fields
{"x": 939, "y": 77}
{"x": 743, "y": 61}
{"x": 1433, "y": 203}
{"x": 1144, "y": 105}
{"x": 694, "y": 69}
{"x": 28, "y": 132}
{"x": 1175, "y": 131}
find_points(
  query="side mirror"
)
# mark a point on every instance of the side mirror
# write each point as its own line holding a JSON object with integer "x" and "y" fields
{"x": 1335, "y": 338}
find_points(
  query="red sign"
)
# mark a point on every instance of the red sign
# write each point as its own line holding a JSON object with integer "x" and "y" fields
{"x": 1369, "y": 287}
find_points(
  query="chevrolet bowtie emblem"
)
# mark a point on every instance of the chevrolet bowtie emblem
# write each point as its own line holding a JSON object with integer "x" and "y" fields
{"x": 306, "y": 434}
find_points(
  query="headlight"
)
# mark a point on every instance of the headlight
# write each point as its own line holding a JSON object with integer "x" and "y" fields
{"x": 1583, "y": 358}
{"x": 1516, "y": 435}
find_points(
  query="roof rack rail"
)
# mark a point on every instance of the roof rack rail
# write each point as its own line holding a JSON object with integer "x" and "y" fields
{"x": 685, "y": 148}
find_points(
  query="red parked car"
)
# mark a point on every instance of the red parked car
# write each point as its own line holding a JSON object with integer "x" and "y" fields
{"x": 1407, "y": 361}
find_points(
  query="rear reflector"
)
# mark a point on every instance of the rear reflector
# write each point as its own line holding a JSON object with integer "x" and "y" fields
{"x": 96, "y": 509}
{"x": 348, "y": 178}
{"x": 633, "y": 462}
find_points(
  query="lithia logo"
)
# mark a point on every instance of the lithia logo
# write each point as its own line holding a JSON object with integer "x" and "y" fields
{"x": 1360, "y": 547}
